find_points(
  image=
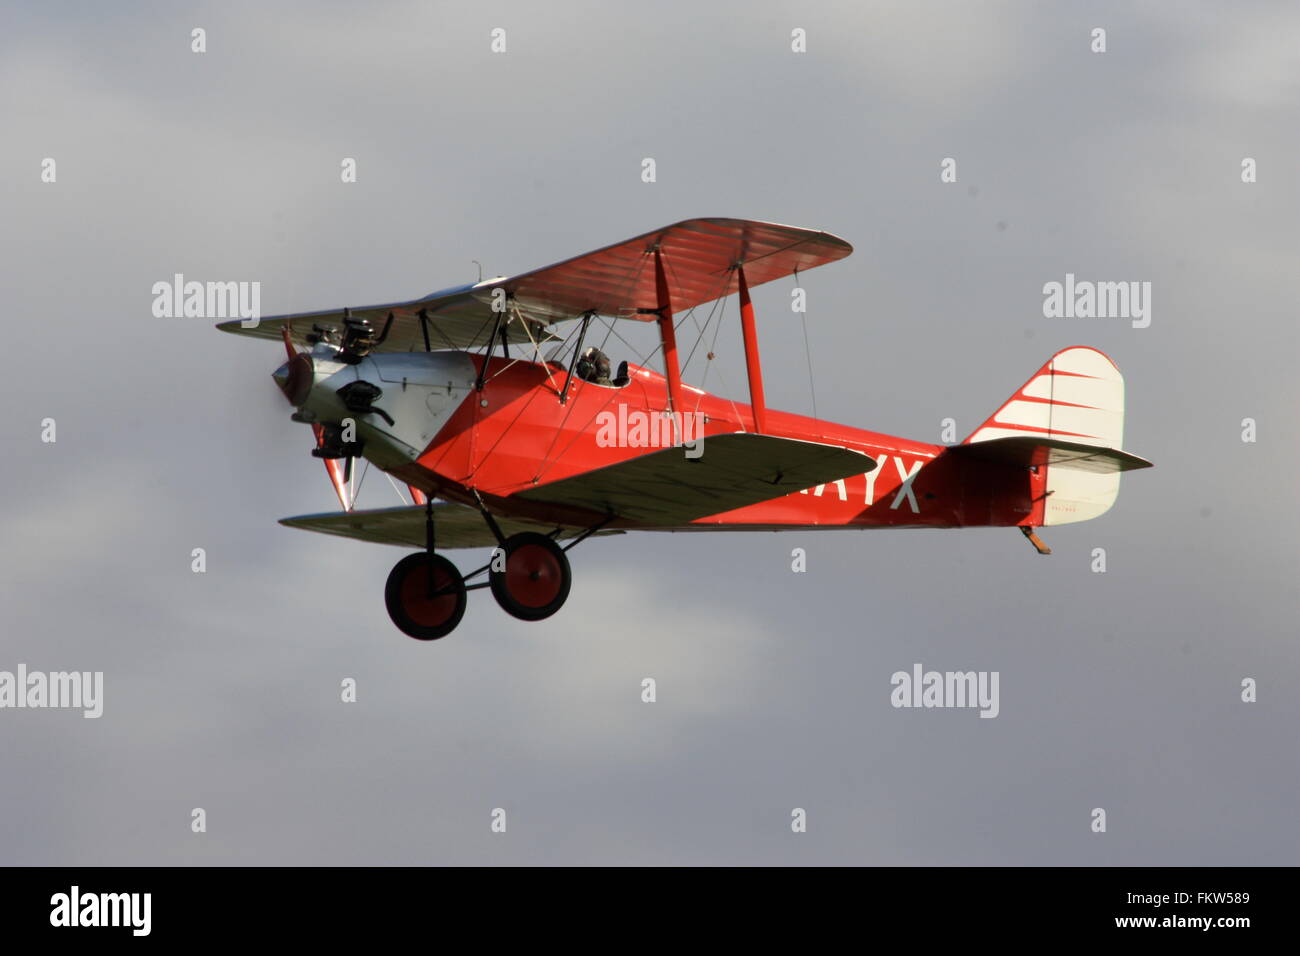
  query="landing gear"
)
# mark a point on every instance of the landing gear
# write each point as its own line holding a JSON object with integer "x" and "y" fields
{"x": 530, "y": 576}
{"x": 425, "y": 596}
{"x": 425, "y": 592}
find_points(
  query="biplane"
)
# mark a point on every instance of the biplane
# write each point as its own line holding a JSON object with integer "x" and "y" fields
{"x": 503, "y": 448}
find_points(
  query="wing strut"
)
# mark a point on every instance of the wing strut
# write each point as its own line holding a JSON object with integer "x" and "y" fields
{"x": 424, "y": 327}
{"x": 573, "y": 359}
{"x": 668, "y": 337}
{"x": 752, "y": 364}
{"x": 487, "y": 355}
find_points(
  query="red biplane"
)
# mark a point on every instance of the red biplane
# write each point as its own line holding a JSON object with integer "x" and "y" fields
{"x": 524, "y": 453}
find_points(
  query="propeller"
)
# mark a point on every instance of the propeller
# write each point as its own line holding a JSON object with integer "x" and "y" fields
{"x": 295, "y": 380}
{"x": 338, "y": 469}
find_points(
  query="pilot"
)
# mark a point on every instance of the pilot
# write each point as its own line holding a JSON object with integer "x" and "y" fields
{"x": 593, "y": 367}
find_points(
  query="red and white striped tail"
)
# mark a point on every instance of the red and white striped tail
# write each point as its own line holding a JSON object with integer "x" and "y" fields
{"x": 1078, "y": 396}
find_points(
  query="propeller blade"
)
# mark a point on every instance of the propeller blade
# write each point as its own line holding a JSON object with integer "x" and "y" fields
{"x": 334, "y": 468}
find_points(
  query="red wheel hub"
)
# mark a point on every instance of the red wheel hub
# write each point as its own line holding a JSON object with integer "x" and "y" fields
{"x": 534, "y": 583}
{"x": 533, "y": 575}
{"x": 424, "y": 610}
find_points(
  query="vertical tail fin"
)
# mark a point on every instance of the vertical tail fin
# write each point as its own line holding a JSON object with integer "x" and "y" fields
{"x": 1077, "y": 397}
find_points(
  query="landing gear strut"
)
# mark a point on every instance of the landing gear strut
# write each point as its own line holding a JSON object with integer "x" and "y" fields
{"x": 425, "y": 593}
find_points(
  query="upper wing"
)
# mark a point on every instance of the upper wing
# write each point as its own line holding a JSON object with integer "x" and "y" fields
{"x": 453, "y": 319}
{"x": 666, "y": 488}
{"x": 1035, "y": 450}
{"x": 455, "y": 526}
{"x": 618, "y": 280}
{"x": 698, "y": 255}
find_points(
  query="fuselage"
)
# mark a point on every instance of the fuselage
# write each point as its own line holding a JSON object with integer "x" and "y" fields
{"x": 515, "y": 435}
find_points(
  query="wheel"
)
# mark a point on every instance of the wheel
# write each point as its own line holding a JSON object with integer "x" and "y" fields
{"x": 414, "y": 610}
{"x": 535, "y": 582}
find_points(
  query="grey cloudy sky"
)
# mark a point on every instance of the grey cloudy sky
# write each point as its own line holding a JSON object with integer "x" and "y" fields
{"x": 1118, "y": 690}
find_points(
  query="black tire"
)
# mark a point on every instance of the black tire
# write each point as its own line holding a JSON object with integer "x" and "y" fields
{"x": 536, "y": 580}
{"x": 406, "y": 596}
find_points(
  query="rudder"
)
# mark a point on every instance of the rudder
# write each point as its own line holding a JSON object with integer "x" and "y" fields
{"x": 1078, "y": 397}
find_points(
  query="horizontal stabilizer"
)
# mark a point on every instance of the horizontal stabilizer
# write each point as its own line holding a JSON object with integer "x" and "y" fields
{"x": 455, "y": 526}
{"x": 666, "y": 488}
{"x": 1033, "y": 450}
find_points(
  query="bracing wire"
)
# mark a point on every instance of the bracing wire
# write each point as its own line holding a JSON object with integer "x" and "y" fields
{"x": 360, "y": 482}
{"x": 807, "y": 351}
{"x": 400, "y": 497}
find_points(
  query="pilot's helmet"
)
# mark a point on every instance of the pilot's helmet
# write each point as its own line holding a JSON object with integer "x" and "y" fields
{"x": 598, "y": 359}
